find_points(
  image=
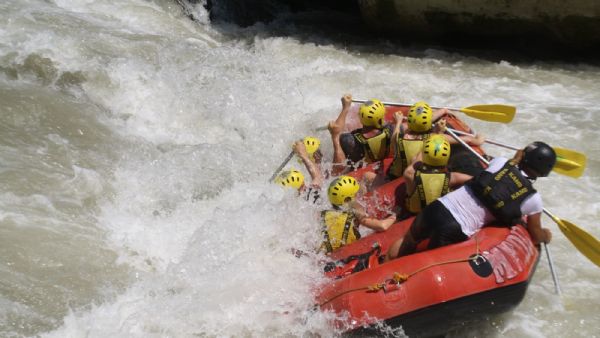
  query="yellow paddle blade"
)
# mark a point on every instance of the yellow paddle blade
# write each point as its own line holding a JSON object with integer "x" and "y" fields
{"x": 569, "y": 162}
{"x": 587, "y": 244}
{"x": 491, "y": 112}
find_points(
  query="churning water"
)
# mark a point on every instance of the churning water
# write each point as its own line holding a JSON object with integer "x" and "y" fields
{"x": 135, "y": 146}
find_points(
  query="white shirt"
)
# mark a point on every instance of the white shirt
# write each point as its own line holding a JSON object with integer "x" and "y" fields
{"x": 470, "y": 213}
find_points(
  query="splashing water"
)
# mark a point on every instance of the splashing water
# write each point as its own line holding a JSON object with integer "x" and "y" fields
{"x": 135, "y": 146}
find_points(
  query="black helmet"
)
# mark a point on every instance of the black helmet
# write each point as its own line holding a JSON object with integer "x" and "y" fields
{"x": 538, "y": 158}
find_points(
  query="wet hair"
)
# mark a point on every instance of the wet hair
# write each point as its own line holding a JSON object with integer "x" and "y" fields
{"x": 353, "y": 150}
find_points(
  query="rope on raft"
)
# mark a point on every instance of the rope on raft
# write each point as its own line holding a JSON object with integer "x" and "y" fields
{"x": 399, "y": 278}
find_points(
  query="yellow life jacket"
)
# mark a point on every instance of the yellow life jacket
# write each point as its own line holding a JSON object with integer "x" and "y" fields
{"x": 430, "y": 184}
{"x": 405, "y": 151}
{"x": 376, "y": 147}
{"x": 338, "y": 229}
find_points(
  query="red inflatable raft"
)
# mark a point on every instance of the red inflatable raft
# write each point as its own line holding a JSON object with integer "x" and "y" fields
{"x": 430, "y": 292}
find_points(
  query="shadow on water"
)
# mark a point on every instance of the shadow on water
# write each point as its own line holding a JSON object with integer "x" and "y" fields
{"x": 339, "y": 23}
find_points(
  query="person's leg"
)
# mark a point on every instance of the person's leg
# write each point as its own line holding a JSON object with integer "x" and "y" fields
{"x": 393, "y": 250}
{"x": 418, "y": 231}
{"x": 434, "y": 222}
{"x": 335, "y": 129}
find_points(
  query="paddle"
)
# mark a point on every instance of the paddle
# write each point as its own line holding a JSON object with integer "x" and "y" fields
{"x": 486, "y": 112}
{"x": 552, "y": 271}
{"x": 283, "y": 164}
{"x": 587, "y": 244}
{"x": 481, "y": 158}
{"x": 568, "y": 162}
{"x": 312, "y": 145}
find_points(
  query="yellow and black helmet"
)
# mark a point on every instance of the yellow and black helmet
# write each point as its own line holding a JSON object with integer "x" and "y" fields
{"x": 372, "y": 113}
{"x": 420, "y": 117}
{"x": 312, "y": 144}
{"x": 342, "y": 190}
{"x": 290, "y": 178}
{"x": 436, "y": 151}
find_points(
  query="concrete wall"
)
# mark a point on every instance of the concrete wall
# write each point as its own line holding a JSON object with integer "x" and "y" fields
{"x": 574, "y": 23}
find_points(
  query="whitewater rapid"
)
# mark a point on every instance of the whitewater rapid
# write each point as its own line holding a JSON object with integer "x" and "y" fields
{"x": 135, "y": 146}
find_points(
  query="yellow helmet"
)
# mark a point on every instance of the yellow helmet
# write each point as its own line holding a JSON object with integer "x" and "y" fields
{"x": 290, "y": 178}
{"x": 342, "y": 190}
{"x": 419, "y": 117}
{"x": 436, "y": 151}
{"x": 312, "y": 144}
{"x": 371, "y": 113}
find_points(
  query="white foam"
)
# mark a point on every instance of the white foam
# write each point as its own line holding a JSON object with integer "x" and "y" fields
{"x": 202, "y": 120}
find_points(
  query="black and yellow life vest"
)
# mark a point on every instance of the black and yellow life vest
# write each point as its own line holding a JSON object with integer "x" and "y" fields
{"x": 503, "y": 192}
{"x": 430, "y": 184}
{"x": 338, "y": 229}
{"x": 405, "y": 151}
{"x": 375, "y": 148}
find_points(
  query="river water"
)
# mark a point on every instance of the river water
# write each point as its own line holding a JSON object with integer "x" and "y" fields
{"x": 135, "y": 146}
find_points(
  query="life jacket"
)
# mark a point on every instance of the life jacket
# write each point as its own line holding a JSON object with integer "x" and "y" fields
{"x": 375, "y": 148}
{"x": 430, "y": 184}
{"x": 503, "y": 192}
{"x": 338, "y": 229}
{"x": 405, "y": 151}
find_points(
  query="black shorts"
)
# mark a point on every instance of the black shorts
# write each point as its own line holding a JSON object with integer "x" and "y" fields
{"x": 437, "y": 223}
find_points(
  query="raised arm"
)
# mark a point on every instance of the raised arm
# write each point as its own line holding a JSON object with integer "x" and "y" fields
{"x": 313, "y": 169}
{"x": 399, "y": 120}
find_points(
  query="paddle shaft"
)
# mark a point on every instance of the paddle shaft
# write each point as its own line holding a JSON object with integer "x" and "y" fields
{"x": 396, "y": 104}
{"x": 550, "y": 262}
{"x": 287, "y": 159}
{"x": 568, "y": 162}
{"x": 504, "y": 145}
